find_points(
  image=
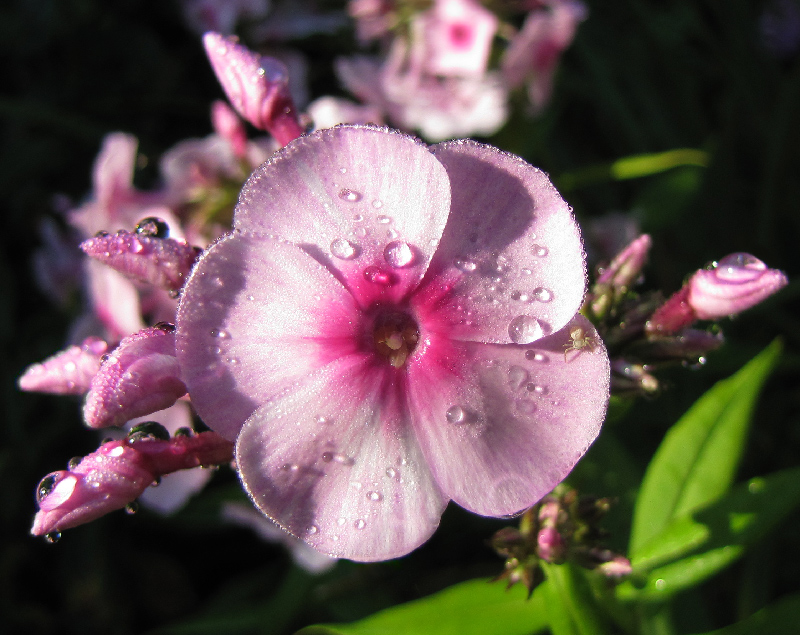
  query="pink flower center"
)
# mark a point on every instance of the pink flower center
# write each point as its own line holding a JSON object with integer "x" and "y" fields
{"x": 395, "y": 335}
{"x": 460, "y": 35}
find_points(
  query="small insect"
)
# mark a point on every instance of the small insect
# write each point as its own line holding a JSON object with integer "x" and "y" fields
{"x": 578, "y": 340}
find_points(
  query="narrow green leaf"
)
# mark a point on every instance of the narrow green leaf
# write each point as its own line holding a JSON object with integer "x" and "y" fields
{"x": 779, "y": 618}
{"x": 697, "y": 460}
{"x": 694, "y": 547}
{"x": 475, "y": 607}
{"x": 646, "y": 164}
{"x": 571, "y": 608}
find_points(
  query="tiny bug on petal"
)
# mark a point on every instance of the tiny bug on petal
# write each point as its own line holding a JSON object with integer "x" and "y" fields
{"x": 578, "y": 340}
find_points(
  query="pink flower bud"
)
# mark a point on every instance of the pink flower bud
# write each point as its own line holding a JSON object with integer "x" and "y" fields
{"x": 69, "y": 372}
{"x": 735, "y": 283}
{"x": 139, "y": 377}
{"x": 617, "y": 568}
{"x": 627, "y": 265}
{"x": 144, "y": 256}
{"x": 116, "y": 474}
{"x": 551, "y": 546}
{"x": 228, "y": 126}
{"x": 257, "y": 86}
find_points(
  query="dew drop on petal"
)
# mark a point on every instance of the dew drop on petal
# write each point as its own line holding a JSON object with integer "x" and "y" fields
{"x": 391, "y": 472}
{"x": 220, "y": 334}
{"x": 377, "y": 276}
{"x": 467, "y": 266}
{"x": 361, "y": 232}
{"x": 375, "y": 496}
{"x": 517, "y": 376}
{"x": 358, "y": 218}
{"x": 344, "y": 249}
{"x": 383, "y": 219}
{"x": 343, "y": 170}
{"x": 537, "y": 388}
{"x": 455, "y": 414}
{"x": 525, "y": 329}
{"x": 311, "y": 530}
{"x": 398, "y": 254}
{"x": 542, "y": 294}
{"x": 351, "y": 196}
{"x": 360, "y": 523}
{"x": 321, "y": 419}
{"x": 526, "y": 272}
{"x": 540, "y": 251}
{"x": 341, "y": 521}
{"x": 377, "y": 204}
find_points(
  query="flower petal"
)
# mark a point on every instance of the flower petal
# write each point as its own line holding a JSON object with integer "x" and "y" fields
{"x": 256, "y": 316}
{"x": 368, "y": 203}
{"x": 510, "y": 266}
{"x": 501, "y": 426}
{"x": 335, "y": 463}
{"x": 68, "y": 372}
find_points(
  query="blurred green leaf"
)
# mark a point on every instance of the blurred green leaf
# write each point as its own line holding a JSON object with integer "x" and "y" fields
{"x": 779, "y": 618}
{"x": 696, "y": 546}
{"x": 571, "y": 609}
{"x": 696, "y": 462}
{"x": 471, "y": 607}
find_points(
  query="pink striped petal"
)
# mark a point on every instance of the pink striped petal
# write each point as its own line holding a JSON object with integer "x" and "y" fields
{"x": 270, "y": 316}
{"x": 510, "y": 267}
{"x": 69, "y": 372}
{"x": 139, "y": 377}
{"x": 334, "y": 462}
{"x": 163, "y": 262}
{"x": 501, "y": 426}
{"x": 338, "y": 193}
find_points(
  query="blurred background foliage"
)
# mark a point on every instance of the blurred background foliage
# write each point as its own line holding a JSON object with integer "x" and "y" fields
{"x": 643, "y": 76}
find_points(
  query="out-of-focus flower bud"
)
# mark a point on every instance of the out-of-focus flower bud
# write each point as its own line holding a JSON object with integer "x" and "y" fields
{"x": 629, "y": 378}
{"x": 735, "y": 283}
{"x": 550, "y": 545}
{"x": 257, "y": 86}
{"x": 614, "y": 280}
{"x": 228, "y": 126}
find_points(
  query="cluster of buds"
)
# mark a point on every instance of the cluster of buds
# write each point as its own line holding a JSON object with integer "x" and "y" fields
{"x": 643, "y": 332}
{"x": 561, "y": 527}
{"x": 118, "y": 472}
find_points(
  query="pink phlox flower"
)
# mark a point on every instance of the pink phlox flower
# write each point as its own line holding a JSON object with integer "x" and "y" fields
{"x": 139, "y": 377}
{"x": 732, "y": 285}
{"x": 116, "y": 474}
{"x": 455, "y": 37}
{"x": 68, "y": 372}
{"x": 327, "y": 112}
{"x": 534, "y": 53}
{"x": 160, "y": 261}
{"x": 304, "y": 556}
{"x": 384, "y": 331}
{"x": 374, "y": 18}
{"x": 257, "y": 86}
{"x": 222, "y": 15}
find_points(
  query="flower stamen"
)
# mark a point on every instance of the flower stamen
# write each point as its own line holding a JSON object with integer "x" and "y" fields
{"x": 395, "y": 336}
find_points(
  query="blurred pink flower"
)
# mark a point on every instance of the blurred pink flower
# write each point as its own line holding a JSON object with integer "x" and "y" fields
{"x": 455, "y": 37}
{"x": 373, "y": 18}
{"x": 222, "y": 15}
{"x": 384, "y": 331}
{"x": 732, "y": 285}
{"x": 534, "y": 53}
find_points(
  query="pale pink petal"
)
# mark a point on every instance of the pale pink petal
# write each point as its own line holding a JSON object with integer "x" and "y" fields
{"x": 112, "y": 176}
{"x": 334, "y": 462}
{"x": 270, "y": 316}
{"x": 114, "y": 300}
{"x": 69, "y": 372}
{"x": 501, "y": 426}
{"x": 228, "y": 126}
{"x": 510, "y": 267}
{"x": 336, "y": 193}
{"x": 327, "y": 112}
{"x": 163, "y": 262}
{"x": 139, "y": 377}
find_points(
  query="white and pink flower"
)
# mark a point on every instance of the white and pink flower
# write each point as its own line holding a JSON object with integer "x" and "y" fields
{"x": 384, "y": 331}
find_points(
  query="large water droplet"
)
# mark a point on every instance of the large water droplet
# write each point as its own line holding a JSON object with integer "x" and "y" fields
{"x": 351, "y": 196}
{"x": 517, "y": 376}
{"x": 378, "y": 276}
{"x": 542, "y": 294}
{"x": 152, "y": 226}
{"x": 344, "y": 249}
{"x": 467, "y": 266}
{"x": 456, "y": 414}
{"x": 740, "y": 267}
{"x": 525, "y": 329}
{"x": 375, "y": 496}
{"x": 311, "y": 530}
{"x": 398, "y": 254}
{"x": 540, "y": 251}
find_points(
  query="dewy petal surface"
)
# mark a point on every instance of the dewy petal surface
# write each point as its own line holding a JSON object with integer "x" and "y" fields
{"x": 367, "y": 202}
{"x": 263, "y": 315}
{"x": 501, "y": 425}
{"x": 510, "y": 266}
{"x": 335, "y": 463}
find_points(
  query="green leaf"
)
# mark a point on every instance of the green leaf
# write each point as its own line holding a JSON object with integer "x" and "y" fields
{"x": 697, "y": 461}
{"x": 696, "y": 546}
{"x": 471, "y": 607}
{"x": 779, "y": 618}
{"x": 570, "y": 607}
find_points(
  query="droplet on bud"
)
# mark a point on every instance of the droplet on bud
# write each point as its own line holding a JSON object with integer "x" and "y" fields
{"x": 152, "y": 226}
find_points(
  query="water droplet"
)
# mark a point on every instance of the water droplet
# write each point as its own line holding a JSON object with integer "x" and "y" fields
{"x": 342, "y": 459}
{"x": 661, "y": 584}
{"x": 47, "y": 485}
{"x": 324, "y": 420}
{"x": 74, "y": 462}
{"x": 344, "y": 249}
{"x": 375, "y": 496}
{"x": 378, "y": 276}
{"x": 360, "y": 523}
{"x": 343, "y": 170}
{"x": 526, "y": 406}
{"x": 383, "y": 219}
{"x": 377, "y": 204}
{"x": 351, "y": 196}
{"x": 152, "y": 226}
{"x": 358, "y": 218}
{"x": 361, "y": 232}
{"x": 456, "y": 414}
{"x": 391, "y": 234}
{"x": 341, "y": 521}
{"x": 525, "y": 329}
{"x": 517, "y": 376}
{"x": 467, "y": 266}
{"x": 290, "y": 467}
{"x": 131, "y": 508}
{"x": 391, "y": 472}
{"x": 526, "y": 272}
{"x": 542, "y": 294}
{"x": 311, "y": 530}
{"x": 740, "y": 267}
{"x": 52, "y": 537}
{"x": 537, "y": 388}
{"x": 251, "y": 298}
{"x": 398, "y": 254}
{"x": 540, "y": 251}
{"x": 220, "y": 334}
{"x": 519, "y": 296}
